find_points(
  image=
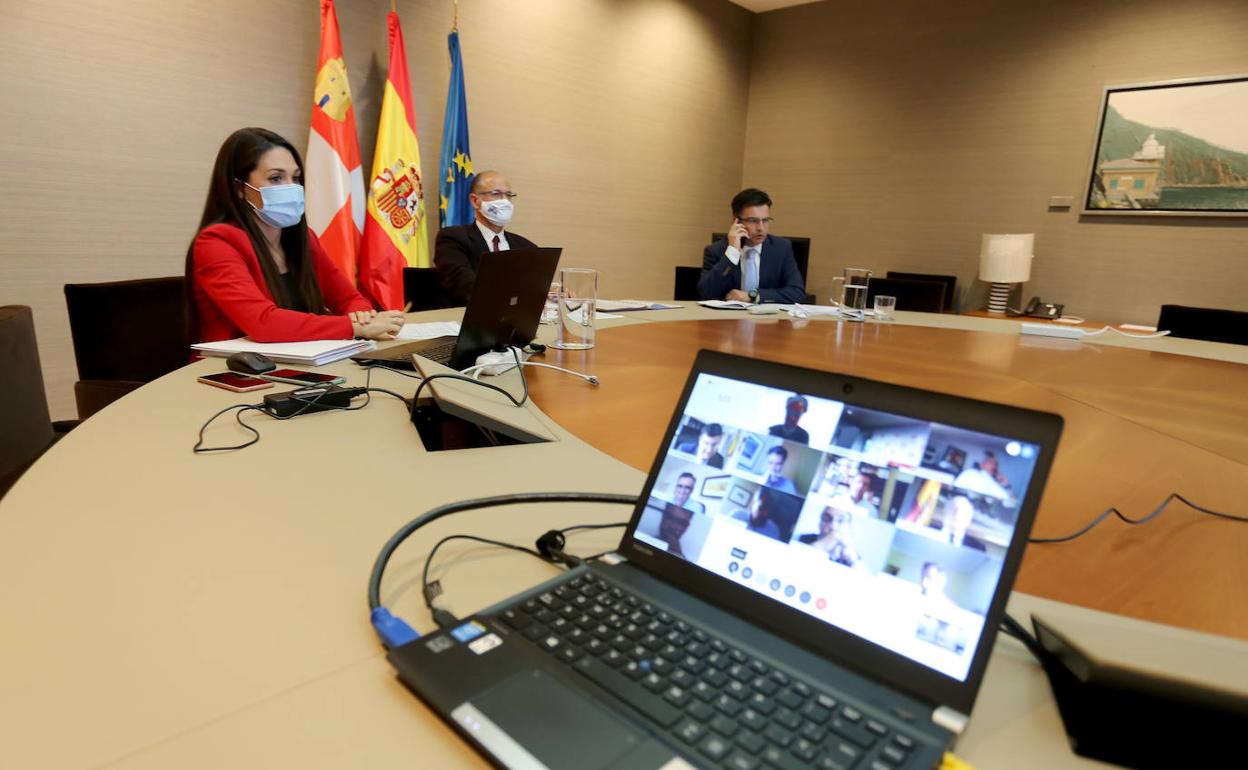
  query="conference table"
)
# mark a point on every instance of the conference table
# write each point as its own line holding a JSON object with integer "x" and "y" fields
{"x": 167, "y": 609}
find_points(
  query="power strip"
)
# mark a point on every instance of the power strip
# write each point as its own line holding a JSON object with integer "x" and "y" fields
{"x": 1047, "y": 330}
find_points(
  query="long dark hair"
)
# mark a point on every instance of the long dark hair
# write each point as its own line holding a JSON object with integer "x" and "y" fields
{"x": 237, "y": 158}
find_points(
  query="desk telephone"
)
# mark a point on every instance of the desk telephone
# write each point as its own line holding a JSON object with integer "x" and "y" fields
{"x": 1037, "y": 309}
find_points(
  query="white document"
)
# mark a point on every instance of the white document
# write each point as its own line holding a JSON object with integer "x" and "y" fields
{"x": 428, "y": 331}
{"x": 626, "y": 305}
{"x": 725, "y": 304}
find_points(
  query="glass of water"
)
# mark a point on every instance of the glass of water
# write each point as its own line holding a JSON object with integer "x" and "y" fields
{"x": 550, "y": 313}
{"x": 884, "y": 307}
{"x": 578, "y": 298}
{"x": 853, "y": 307}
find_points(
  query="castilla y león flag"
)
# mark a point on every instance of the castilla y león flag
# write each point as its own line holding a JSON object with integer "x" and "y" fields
{"x": 335, "y": 180}
{"x": 395, "y": 233}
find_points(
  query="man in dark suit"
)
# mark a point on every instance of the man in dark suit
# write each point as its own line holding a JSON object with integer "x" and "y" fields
{"x": 750, "y": 265}
{"x": 457, "y": 250}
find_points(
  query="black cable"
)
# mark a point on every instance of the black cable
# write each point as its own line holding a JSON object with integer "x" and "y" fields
{"x": 404, "y": 532}
{"x": 1015, "y": 629}
{"x": 524, "y": 381}
{"x": 549, "y": 549}
{"x": 1114, "y": 511}
{"x": 424, "y": 575}
{"x": 199, "y": 444}
{"x": 367, "y": 390}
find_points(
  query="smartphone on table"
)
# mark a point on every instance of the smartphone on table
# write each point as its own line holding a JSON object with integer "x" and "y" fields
{"x": 299, "y": 377}
{"x": 239, "y": 383}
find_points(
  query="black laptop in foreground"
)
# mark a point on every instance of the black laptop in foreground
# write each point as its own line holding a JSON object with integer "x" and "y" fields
{"x": 813, "y": 578}
{"x": 504, "y": 309}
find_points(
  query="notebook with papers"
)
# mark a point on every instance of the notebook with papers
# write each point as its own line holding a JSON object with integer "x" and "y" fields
{"x": 812, "y": 578}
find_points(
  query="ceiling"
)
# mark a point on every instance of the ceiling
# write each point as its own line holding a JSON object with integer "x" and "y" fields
{"x": 758, "y": 6}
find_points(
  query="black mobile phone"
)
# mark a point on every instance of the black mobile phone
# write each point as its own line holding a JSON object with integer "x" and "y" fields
{"x": 299, "y": 377}
{"x": 239, "y": 383}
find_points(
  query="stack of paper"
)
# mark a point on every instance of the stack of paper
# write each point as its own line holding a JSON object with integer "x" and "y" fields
{"x": 313, "y": 353}
{"x": 625, "y": 305}
{"x": 428, "y": 331}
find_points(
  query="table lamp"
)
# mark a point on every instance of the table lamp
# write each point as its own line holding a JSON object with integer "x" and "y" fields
{"x": 1004, "y": 260}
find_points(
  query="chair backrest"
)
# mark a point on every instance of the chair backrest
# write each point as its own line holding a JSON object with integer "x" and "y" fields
{"x": 24, "y": 409}
{"x": 950, "y": 281}
{"x": 801, "y": 252}
{"x": 1204, "y": 323}
{"x": 686, "y": 288}
{"x": 420, "y": 287}
{"x": 128, "y": 330}
{"x": 918, "y": 296}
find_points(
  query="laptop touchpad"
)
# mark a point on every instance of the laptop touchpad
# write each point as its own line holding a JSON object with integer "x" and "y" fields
{"x": 532, "y": 716}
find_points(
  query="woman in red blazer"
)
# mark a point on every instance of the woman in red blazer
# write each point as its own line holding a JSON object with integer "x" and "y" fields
{"x": 255, "y": 270}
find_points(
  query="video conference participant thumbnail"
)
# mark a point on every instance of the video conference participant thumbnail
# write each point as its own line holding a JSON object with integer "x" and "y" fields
{"x": 770, "y": 513}
{"x": 705, "y": 448}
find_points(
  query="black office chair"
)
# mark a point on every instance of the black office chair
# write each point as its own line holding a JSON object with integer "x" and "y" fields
{"x": 686, "y": 288}
{"x": 950, "y": 282}
{"x": 917, "y": 296}
{"x": 1204, "y": 323}
{"x": 29, "y": 431}
{"x": 420, "y": 287}
{"x": 801, "y": 255}
{"x": 126, "y": 333}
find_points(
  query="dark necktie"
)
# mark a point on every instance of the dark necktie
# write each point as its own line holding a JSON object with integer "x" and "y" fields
{"x": 496, "y": 243}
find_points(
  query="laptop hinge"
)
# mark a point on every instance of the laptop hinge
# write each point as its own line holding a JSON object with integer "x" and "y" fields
{"x": 949, "y": 719}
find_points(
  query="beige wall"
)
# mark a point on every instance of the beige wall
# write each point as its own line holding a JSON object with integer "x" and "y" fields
{"x": 619, "y": 123}
{"x": 890, "y": 133}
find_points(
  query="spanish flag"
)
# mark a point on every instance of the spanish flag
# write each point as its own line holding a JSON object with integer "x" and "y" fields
{"x": 395, "y": 234}
{"x": 335, "y": 179}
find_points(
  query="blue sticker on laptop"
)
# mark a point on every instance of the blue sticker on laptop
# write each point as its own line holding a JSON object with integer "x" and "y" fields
{"x": 468, "y": 631}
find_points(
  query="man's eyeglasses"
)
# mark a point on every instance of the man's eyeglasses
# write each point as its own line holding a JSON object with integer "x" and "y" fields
{"x": 495, "y": 195}
{"x": 756, "y": 221}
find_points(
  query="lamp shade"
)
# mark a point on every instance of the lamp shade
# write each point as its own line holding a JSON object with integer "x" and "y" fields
{"x": 1006, "y": 258}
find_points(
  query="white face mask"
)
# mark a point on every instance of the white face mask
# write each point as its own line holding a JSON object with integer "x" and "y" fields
{"x": 497, "y": 212}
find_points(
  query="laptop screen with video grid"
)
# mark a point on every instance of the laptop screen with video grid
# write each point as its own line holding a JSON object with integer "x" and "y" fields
{"x": 890, "y": 528}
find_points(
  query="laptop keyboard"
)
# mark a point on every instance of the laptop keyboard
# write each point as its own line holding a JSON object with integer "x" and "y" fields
{"x": 728, "y": 707}
{"x": 440, "y": 353}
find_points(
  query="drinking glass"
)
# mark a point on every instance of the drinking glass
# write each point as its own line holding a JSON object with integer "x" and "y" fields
{"x": 854, "y": 306}
{"x": 884, "y": 307}
{"x": 578, "y": 298}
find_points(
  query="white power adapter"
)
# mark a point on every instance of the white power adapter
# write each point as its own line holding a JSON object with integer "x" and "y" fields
{"x": 496, "y": 362}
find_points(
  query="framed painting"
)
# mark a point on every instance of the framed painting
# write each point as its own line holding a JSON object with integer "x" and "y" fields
{"x": 1176, "y": 148}
{"x": 715, "y": 487}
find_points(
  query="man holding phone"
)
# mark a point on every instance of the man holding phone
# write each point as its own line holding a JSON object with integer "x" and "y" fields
{"x": 751, "y": 265}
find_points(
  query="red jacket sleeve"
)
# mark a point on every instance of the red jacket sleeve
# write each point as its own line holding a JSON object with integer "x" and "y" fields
{"x": 340, "y": 296}
{"x": 227, "y": 271}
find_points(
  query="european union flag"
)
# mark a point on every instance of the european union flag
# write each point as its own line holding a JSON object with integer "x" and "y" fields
{"x": 455, "y": 174}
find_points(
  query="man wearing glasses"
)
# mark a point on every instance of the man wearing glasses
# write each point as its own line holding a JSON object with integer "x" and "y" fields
{"x": 751, "y": 265}
{"x": 457, "y": 250}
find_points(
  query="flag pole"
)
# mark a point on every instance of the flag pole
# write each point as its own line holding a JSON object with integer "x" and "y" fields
{"x": 455, "y": 18}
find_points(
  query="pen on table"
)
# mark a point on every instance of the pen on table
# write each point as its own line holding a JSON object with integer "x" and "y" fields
{"x": 407, "y": 308}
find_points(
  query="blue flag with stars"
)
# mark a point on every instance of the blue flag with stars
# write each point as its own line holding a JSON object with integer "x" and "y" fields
{"x": 455, "y": 174}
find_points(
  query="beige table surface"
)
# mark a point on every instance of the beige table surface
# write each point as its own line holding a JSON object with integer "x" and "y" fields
{"x": 164, "y": 609}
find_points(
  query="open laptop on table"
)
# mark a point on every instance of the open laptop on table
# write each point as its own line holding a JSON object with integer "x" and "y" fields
{"x": 504, "y": 308}
{"x": 831, "y": 605}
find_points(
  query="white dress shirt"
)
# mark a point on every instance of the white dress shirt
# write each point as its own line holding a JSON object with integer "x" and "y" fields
{"x": 489, "y": 237}
{"x": 734, "y": 256}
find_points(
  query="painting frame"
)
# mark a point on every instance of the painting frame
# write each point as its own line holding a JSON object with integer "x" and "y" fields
{"x": 715, "y": 487}
{"x": 1136, "y": 165}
